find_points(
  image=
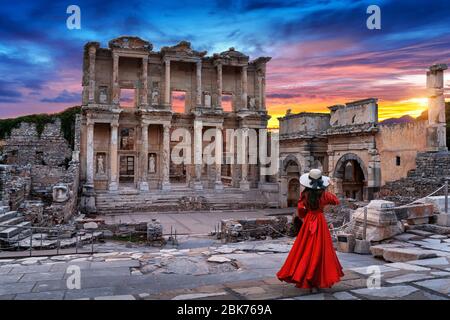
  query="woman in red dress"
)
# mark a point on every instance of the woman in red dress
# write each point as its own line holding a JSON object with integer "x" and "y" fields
{"x": 312, "y": 261}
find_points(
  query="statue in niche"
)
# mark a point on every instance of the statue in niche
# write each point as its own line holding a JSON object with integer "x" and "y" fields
{"x": 100, "y": 164}
{"x": 155, "y": 97}
{"x": 103, "y": 95}
{"x": 151, "y": 163}
{"x": 60, "y": 192}
{"x": 251, "y": 103}
{"x": 207, "y": 100}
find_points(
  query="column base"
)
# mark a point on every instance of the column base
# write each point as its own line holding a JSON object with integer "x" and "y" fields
{"x": 443, "y": 219}
{"x": 244, "y": 185}
{"x": 198, "y": 185}
{"x": 113, "y": 186}
{"x": 88, "y": 199}
{"x": 143, "y": 186}
{"x": 165, "y": 185}
{"x": 218, "y": 185}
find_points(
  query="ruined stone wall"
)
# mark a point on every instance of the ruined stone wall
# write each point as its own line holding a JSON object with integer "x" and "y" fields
{"x": 432, "y": 168}
{"x": 25, "y": 146}
{"x": 398, "y": 145}
{"x": 354, "y": 113}
{"x": 308, "y": 123}
{"x": 15, "y": 185}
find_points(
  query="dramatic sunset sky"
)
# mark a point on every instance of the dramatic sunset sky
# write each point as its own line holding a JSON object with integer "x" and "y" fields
{"x": 323, "y": 54}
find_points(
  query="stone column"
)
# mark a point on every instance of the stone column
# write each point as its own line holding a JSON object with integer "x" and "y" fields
{"x": 167, "y": 85}
{"x": 218, "y": 158}
{"x": 92, "y": 52}
{"x": 260, "y": 93}
{"x": 166, "y": 157}
{"x": 144, "y": 92}
{"x": 199, "y": 83}
{"x": 143, "y": 184}
{"x": 244, "y": 184}
{"x": 219, "y": 85}
{"x": 116, "y": 88}
{"x": 244, "y": 86}
{"x": 90, "y": 152}
{"x": 198, "y": 153}
{"x": 113, "y": 178}
{"x": 436, "y": 108}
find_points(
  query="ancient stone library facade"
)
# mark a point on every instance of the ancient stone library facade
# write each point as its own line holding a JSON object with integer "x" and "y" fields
{"x": 355, "y": 150}
{"x": 134, "y": 98}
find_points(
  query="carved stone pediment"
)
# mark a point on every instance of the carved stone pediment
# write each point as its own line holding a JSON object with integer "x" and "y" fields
{"x": 231, "y": 53}
{"x": 183, "y": 48}
{"x": 133, "y": 43}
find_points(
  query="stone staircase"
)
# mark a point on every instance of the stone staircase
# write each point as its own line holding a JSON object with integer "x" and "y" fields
{"x": 11, "y": 227}
{"x": 178, "y": 199}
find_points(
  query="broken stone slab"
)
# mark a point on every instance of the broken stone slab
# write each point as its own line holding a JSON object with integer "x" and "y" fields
{"x": 407, "y": 266}
{"x": 408, "y": 278}
{"x": 407, "y": 237}
{"x": 362, "y": 246}
{"x": 218, "y": 259}
{"x": 90, "y": 226}
{"x": 377, "y": 250}
{"x": 387, "y": 292}
{"x": 406, "y": 254}
{"x": 414, "y": 211}
{"x": 421, "y": 233}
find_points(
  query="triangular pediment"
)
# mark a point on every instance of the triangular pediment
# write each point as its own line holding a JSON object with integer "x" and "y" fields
{"x": 130, "y": 42}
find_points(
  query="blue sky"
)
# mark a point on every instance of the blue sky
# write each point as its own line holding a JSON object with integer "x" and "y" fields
{"x": 322, "y": 51}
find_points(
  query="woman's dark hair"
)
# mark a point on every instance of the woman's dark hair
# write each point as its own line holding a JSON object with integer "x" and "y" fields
{"x": 311, "y": 197}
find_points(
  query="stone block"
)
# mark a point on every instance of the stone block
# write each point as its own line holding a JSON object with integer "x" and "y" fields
{"x": 414, "y": 211}
{"x": 362, "y": 246}
{"x": 406, "y": 254}
{"x": 443, "y": 219}
{"x": 380, "y": 204}
{"x": 346, "y": 242}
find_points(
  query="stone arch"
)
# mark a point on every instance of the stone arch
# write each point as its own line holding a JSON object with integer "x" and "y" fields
{"x": 289, "y": 164}
{"x": 351, "y": 177}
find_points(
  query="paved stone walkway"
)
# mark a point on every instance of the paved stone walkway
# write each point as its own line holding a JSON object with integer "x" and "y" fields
{"x": 235, "y": 271}
{"x": 195, "y": 222}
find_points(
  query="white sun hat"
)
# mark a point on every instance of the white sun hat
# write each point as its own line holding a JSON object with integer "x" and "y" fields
{"x": 314, "y": 179}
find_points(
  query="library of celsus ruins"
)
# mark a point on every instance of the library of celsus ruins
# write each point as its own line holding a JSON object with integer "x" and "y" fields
{"x": 133, "y": 100}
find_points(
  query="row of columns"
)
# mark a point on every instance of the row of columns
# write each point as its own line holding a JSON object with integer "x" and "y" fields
{"x": 144, "y": 80}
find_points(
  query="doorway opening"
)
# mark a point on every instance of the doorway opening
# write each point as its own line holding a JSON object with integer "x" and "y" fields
{"x": 126, "y": 172}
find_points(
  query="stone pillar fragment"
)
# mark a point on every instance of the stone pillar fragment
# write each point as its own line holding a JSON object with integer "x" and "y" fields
{"x": 167, "y": 84}
{"x": 113, "y": 179}
{"x": 143, "y": 184}
{"x": 198, "y": 153}
{"x": 166, "y": 157}
{"x": 92, "y": 54}
{"x": 436, "y": 108}
{"x": 116, "y": 88}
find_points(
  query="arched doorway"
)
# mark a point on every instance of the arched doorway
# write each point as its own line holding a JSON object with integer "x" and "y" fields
{"x": 351, "y": 177}
{"x": 291, "y": 172}
{"x": 293, "y": 192}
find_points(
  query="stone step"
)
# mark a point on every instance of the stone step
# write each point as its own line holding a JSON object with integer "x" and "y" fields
{"x": 13, "y": 241}
{"x": 11, "y": 232}
{"x": 4, "y": 209}
{"x": 8, "y": 215}
{"x": 13, "y": 221}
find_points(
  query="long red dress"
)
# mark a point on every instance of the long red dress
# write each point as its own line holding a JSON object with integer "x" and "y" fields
{"x": 312, "y": 261}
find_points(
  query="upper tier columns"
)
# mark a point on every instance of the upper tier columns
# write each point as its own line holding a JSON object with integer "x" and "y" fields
{"x": 167, "y": 84}
{"x": 144, "y": 92}
{"x": 116, "y": 88}
{"x": 199, "y": 82}
{"x": 92, "y": 52}
{"x": 219, "y": 85}
{"x": 244, "y": 86}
